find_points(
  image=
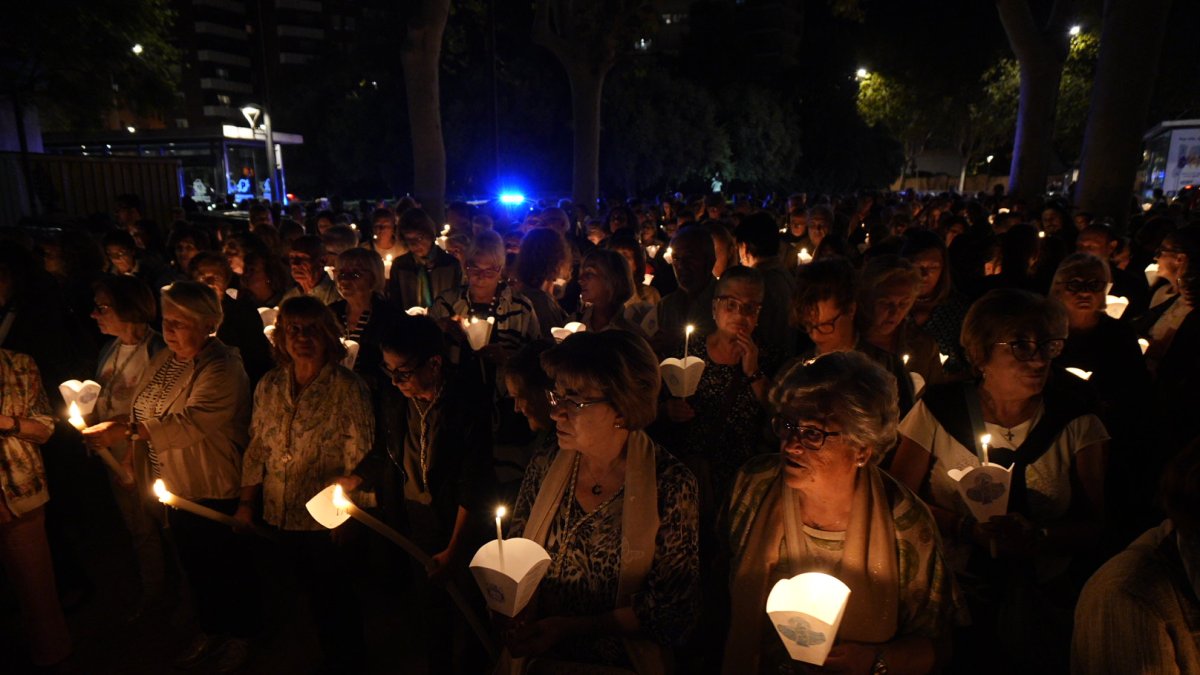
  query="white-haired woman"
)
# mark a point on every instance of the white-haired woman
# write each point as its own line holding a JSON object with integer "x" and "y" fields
{"x": 190, "y": 421}
{"x": 823, "y": 505}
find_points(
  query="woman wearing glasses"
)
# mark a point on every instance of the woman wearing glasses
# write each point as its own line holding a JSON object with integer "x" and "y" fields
{"x": 297, "y": 447}
{"x": 719, "y": 427}
{"x": 616, "y": 513}
{"x": 823, "y": 505}
{"x": 1041, "y": 425}
{"x": 486, "y": 296}
{"x": 426, "y": 271}
{"x": 362, "y": 310}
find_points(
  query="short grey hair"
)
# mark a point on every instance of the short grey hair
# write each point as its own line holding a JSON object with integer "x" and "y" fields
{"x": 197, "y": 300}
{"x": 847, "y": 388}
{"x": 1078, "y": 265}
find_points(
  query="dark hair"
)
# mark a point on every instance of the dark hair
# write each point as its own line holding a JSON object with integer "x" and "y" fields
{"x": 741, "y": 274}
{"x": 543, "y": 252}
{"x": 308, "y": 307}
{"x": 277, "y": 273}
{"x": 824, "y": 279}
{"x": 211, "y": 258}
{"x": 132, "y": 299}
{"x": 311, "y": 245}
{"x": 129, "y": 201}
{"x": 615, "y": 270}
{"x": 120, "y": 238}
{"x": 526, "y": 365}
{"x": 414, "y": 337}
{"x": 760, "y": 233}
{"x": 417, "y": 221}
{"x": 618, "y": 363}
{"x": 626, "y": 241}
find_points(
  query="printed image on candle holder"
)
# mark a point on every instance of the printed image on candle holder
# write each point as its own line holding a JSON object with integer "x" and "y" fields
{"x": 806, "y": 611}
{"x": 83, "y": 394}
{"x": 682, "y": 376}
{"x": 564, "y": 332}
{"x": 984, "y": 489}
{"x": 508, "y": 573}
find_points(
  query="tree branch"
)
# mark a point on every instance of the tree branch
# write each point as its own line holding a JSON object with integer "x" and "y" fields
{"x": 545, "y": 35}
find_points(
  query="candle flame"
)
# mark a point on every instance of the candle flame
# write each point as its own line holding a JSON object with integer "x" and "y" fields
{"x": 986, "y": 439}
{"x": 387, "y": 258}
{"x": 690, "y": 329}
{"x": 943, "y": 358}
{"x": 501, "y": 512}
{"x": 1144, "y": 344}
{"x": 160, "y": 490}
{"x": 339, "y": 498}
{"x": 905, "y": 359}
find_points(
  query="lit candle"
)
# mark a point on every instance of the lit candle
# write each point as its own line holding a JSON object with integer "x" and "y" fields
{"x": 985, "y": 440}
{"x": 943, "y": 358}
{"x": 1144, "y": 344}
{"x": 387, "y": 265}
{"x": 1041, "y": 235}
{"x": 687, "y": 336}
{"x": 667, "y": 255}
{"x": 170, "y": 499}
{"x": 804, "y": 257}
{"x": 500, "y": 511}
{"x": 904, "y": 359}
{"x": 74, "y": 417}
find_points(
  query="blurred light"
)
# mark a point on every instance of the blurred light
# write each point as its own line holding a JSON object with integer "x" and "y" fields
{"x": 137, "y": 49}
{"x": 131, "y": 129}
{"x": 512, "y": 198}
{"x": 1075, "y": 30}
{"x": 862, "y": 74}
{"x": 990, "y": 158}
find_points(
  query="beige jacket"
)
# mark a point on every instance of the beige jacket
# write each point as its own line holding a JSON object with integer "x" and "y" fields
{"x": 200, "y": 438}
{"x": 22, "y": 475}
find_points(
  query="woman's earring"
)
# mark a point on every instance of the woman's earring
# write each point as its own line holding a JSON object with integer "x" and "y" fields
{"x": 617, "y": 425}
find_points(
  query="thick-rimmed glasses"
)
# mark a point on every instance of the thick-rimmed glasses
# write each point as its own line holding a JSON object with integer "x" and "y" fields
{"x": 825, "y": 327}
{"x": 728, "y": 303}
{"x": 809, "y": 437}
{"x": 572, "y": 405}
{"x": 399, "y": 375}
{"x": 1028, "y": 350}
{"x": 486, "y": 272}
{"x": 1084, "y": 285}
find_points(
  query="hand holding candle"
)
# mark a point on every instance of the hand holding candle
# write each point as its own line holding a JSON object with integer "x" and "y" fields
{"x": 170, "y": 499}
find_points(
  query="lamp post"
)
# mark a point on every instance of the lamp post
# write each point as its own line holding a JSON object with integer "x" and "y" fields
{"x": 252, "y": 113}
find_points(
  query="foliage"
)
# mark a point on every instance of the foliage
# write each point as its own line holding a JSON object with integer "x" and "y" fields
{"x": 910, "y": 118}
{"x": 74, "y": 60}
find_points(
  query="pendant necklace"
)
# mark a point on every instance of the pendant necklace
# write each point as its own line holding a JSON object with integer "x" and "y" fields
{"x": 597, "y": 488}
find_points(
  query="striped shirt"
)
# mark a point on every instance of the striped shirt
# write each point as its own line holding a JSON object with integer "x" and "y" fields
{"x": 152, "y": 401}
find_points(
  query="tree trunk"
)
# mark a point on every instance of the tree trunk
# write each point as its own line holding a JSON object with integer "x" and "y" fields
{"x": 1130, "y": 45}
{"x": 1040, "y": 54}
{"x": 420, "y": 58}
{"x": 586, "y": 88}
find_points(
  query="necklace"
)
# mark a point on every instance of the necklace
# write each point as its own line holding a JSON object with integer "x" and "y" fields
{"x": 569, "y": 502}
{"x": 423, "y": 451}
{"x": 119, "y": 368}
{"x": 597, "y": 488}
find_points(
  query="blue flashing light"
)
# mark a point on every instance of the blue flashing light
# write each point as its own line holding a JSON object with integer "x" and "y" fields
{"x": 512, "y": 198}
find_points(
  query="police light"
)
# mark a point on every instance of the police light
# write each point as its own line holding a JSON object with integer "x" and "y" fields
{"x": 512, "y": 198}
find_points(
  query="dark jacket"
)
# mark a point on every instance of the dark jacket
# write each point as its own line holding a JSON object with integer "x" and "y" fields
{"x": 444, "y": 273}
{"x": 242, "y": 327}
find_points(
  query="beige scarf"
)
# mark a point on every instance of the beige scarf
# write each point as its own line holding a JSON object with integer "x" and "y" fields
{"x": 869, "y": 566}
{"x": 639, "y": 529}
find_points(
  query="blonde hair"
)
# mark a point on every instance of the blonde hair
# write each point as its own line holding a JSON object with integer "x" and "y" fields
{"x": 366, "y": 259}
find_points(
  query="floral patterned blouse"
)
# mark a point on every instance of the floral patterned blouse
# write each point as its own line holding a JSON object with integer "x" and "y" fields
{"x": 583, "y": 575}
{"x": 301, "y": 441}
{"x": 22, "y": 475}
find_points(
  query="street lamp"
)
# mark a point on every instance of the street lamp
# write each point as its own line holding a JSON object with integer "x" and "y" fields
{"x": 1075, "y": 30}
{"x": 862, "y": 74}
{"x": 252, "y": 112}
{"x": 137, "y": 49}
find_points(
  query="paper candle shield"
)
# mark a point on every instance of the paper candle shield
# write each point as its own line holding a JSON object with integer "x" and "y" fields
{"x": 1115, "y": 306}
{"x": 321, "y": 508}
{"x": 416, "y": 311}
{"x": 564, "y": 332}
{"x": 479, "y": 332}
{"x": 652, "y": 250}
{"x": 1151, "y": 273}
{"x": 82, "y": 394}
{"x": 647, "y": 279}
{"x": 231, "y": 292}
{"x": 984, "y": 489}
{"x": 682, "y": 376}
{"x": 351, "y": 353}
{"x": 269, "y": 331}
{"x": 509, "y": 588}
{"x": 1080, "y": 373}
{"x": 268, "y": 314}
{"x": 918, "y": 382}
{"x": 1144, "y": 344}
{"x": 806, "y": 610}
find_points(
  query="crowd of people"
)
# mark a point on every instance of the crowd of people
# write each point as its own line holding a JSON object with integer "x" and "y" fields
{"x": 860, "y": 352}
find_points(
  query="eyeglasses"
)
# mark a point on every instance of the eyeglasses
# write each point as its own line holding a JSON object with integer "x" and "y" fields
{"x": 728, "y": 303}
{"x": 1084, "y": 285}
{"x": 572, "y": 405}
{"x": 811, "y": 438}
{"x": 101, "y": 309}
{"x": 483, "y": 271}
{"x": 295, "y": 330}
{"x": 1027, "y": 350}
{"x": 299, "y": 260}
{"x": 399, "y": 375}
{"x": 349, "y": 275}
{"x": 416, "y": 240}
{"x": 1163, "y": 250}
{"x": 825, "y": 327}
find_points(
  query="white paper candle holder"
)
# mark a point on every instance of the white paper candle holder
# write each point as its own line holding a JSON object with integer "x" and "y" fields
{"x": 479, "y": 331}
{"x": 985, "y": 489}
{"x": 82, "y": 394}
{"x": 323, "y": 510}
{"x": 1151, "y": 273}
{"x": 682, "y": 376}
{"x": 509, "y": 580}
{"x": 563, "y": 332}
{"x": 268, "y": 315}
{"x": 1080, "y": 373}
{"x": 918, "y": 382}
{"x": 351, "y": 353}
{"x": 806, "y": 611}
{"x": 269, "y": 331}
{"x": 1115, "y": 306}
{"x": 416, "y": 311}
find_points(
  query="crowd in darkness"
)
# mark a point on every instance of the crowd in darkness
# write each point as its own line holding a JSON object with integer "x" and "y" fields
{"x": 859, "y": 353}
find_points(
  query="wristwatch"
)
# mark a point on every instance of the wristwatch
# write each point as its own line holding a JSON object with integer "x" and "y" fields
{"x": 880, "y": 666}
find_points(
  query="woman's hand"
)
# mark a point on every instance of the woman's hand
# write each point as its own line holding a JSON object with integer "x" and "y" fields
{"x": 105, "y": 434}
{"x": 747, "y": 351}
{"x": 538, "y": 637}
{"x": 851, "y": 658}
{"x": 245, "y": 517}
{"x": 443, "y": 564}
{"x": 678, "y": 410}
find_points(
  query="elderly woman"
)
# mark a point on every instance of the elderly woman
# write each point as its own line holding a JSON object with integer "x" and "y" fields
{"x": 189, "y": 419}
{"x": 544, "y": 258}
{"x": 307, "y": 260}
{"x": 616, "y": 513}
{"x": 241, "y": 325}
{"x": 385, "y": 238}
{"x": 889, "y": 287}
{"x": 426, "y": 271}
{"x": 605, "y": 285}
{"x": 823, "y": 505}
{"x": 719, "y": 425}
{"x": 124, "y": 309}
{"x": 486, "y": 296}
{"x": 26, "y": 422}
{"x": 938, "y": 310}
{"x": 825, "y": 306}
{"x": 297, "y": 448}
{"x": 362, "y": 310}
{"x": 1042, "y": 427}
